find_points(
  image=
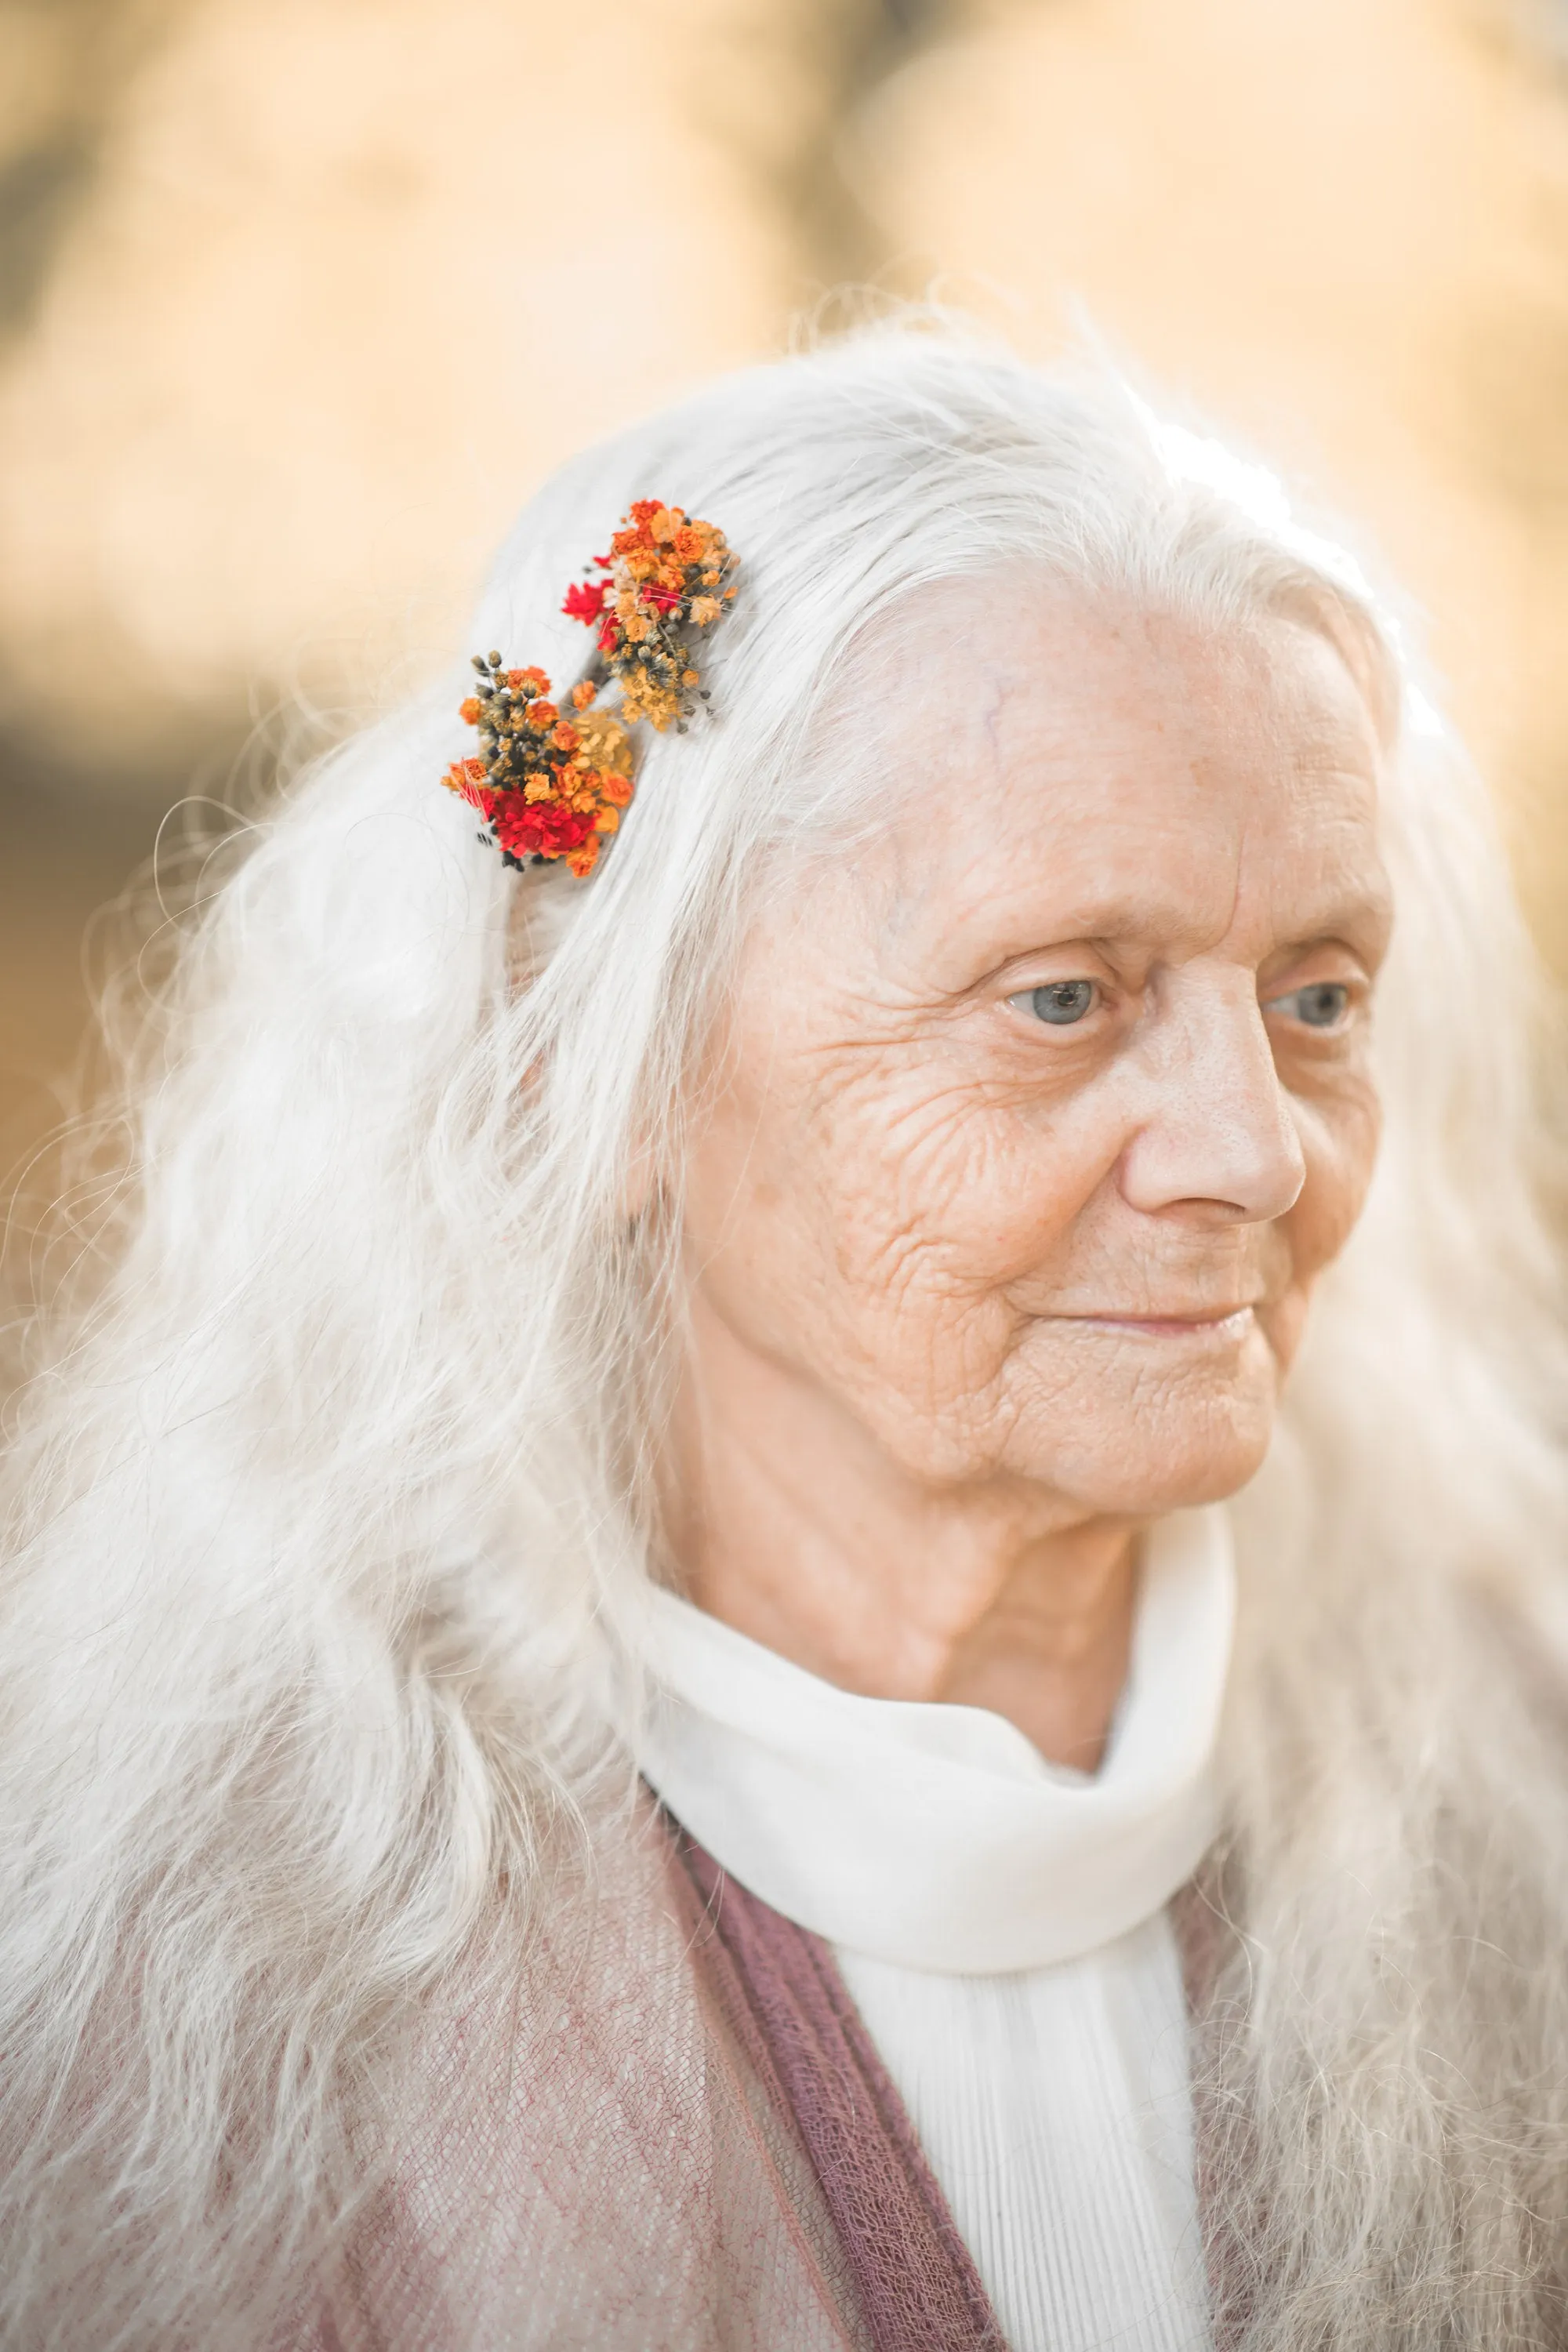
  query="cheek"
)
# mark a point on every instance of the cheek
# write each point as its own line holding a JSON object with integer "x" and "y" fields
{"x": 950, "y": 1214}
{"x": 1340, "y": 1141}
{"x": 941, "y": 1179}
{"x": 873, "y": 1230}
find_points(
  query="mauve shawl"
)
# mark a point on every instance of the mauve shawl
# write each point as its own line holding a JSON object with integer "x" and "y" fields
{"x": 670, "y": 2133}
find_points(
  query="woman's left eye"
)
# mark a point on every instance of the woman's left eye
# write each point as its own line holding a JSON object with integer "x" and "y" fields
{"x": 1321, "y": 1005}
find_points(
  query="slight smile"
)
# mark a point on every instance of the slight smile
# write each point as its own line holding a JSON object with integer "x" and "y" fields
{"x": 1222, "y": 1324}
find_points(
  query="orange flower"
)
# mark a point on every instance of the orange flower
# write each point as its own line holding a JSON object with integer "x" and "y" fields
{"x": 581, "y": 695}
{"x": 466, "y": 779}
{"x": 616, "y": 789}
{"x": 690, "y": 677}
{"x": 582, "y": 861}
{"x": 468, "y": 711}
{"x": 705, "y": 609}
{"x": 643, "y": 698}
{"x": 564, "y": 737}
{"x": 608, "y": 819}
{"x": 532, "y": 680}
{"x": 542, "y": 715}
{"x": 689, "y": 545}
{"x": 605, "y": 744}
{"x": 539, "y": 788}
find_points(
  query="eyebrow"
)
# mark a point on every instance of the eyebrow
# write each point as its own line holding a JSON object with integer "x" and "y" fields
{"x": 1104, "y": 923}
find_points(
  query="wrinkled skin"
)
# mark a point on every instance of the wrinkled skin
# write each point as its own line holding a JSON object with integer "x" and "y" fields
{"x": 976, "y": 1292}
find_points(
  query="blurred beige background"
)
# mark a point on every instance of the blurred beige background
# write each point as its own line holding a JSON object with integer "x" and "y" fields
{"x": 297, "y": 298}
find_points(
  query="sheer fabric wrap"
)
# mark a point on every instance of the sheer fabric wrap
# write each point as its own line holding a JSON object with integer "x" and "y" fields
{"x": 667, "y": 2133}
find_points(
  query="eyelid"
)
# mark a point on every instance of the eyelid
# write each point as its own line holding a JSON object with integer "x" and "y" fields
{"x": 1330, "y": 962}
{"x": 1355, "y": 984}
{"x": 1044, "y": 965}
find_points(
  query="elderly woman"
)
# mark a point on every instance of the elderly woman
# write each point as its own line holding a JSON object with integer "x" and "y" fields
{"x": 801, "y": 1587}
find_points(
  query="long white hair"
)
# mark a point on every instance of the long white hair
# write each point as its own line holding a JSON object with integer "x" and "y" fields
{"x": 328, "y": 1520}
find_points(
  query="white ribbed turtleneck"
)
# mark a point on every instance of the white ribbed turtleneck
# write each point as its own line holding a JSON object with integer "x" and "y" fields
{"x": 1000, "y": 1923}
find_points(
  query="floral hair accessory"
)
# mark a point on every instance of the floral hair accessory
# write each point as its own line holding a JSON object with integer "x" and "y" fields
{"x": 551, "y": 785}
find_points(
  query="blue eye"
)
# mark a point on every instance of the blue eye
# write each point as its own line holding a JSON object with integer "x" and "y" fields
{"x": 1059, "y": 1001}
{"x": 1322, "y": 1005}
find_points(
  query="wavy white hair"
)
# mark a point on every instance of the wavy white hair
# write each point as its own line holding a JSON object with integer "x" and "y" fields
{"x": 329, "y": 1523}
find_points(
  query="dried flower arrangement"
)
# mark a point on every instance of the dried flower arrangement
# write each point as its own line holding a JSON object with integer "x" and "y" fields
{"x": 550, "y": 785}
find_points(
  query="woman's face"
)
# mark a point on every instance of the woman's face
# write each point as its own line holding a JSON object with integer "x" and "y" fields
{"x": 1035, "y": 1125}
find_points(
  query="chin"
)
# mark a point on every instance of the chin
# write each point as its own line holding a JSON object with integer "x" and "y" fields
{"x": 1167, "y": 1456}
{"x": 1137, "y": 1429}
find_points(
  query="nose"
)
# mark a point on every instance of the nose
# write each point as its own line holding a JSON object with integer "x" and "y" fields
{"x": 1214, "y": 1141}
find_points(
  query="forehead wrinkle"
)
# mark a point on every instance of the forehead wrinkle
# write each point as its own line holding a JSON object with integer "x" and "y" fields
{"x": 1111, "y": 909}
{"x": 908, "y": 881}
{"x": 1062, "y": 744}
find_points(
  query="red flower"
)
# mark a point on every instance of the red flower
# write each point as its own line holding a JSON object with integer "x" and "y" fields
{"x": 539, "y": 828}
{"x": 663, "y": 600}
{"x": 609, "y": 634}
{"x": 586, "y": 602}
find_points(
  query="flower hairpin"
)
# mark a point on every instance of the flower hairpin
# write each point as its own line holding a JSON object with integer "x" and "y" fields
{"x": 552, "y": 784}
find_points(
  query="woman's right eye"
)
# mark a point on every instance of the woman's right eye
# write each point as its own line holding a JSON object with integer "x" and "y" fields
{"x": 1059, "y": 1001}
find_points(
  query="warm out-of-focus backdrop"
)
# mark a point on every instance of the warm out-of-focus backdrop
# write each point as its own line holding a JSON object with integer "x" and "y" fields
{"x": 297, "y": 298}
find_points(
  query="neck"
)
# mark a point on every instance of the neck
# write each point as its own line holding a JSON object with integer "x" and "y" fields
{"x": 790, "y": 1522}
